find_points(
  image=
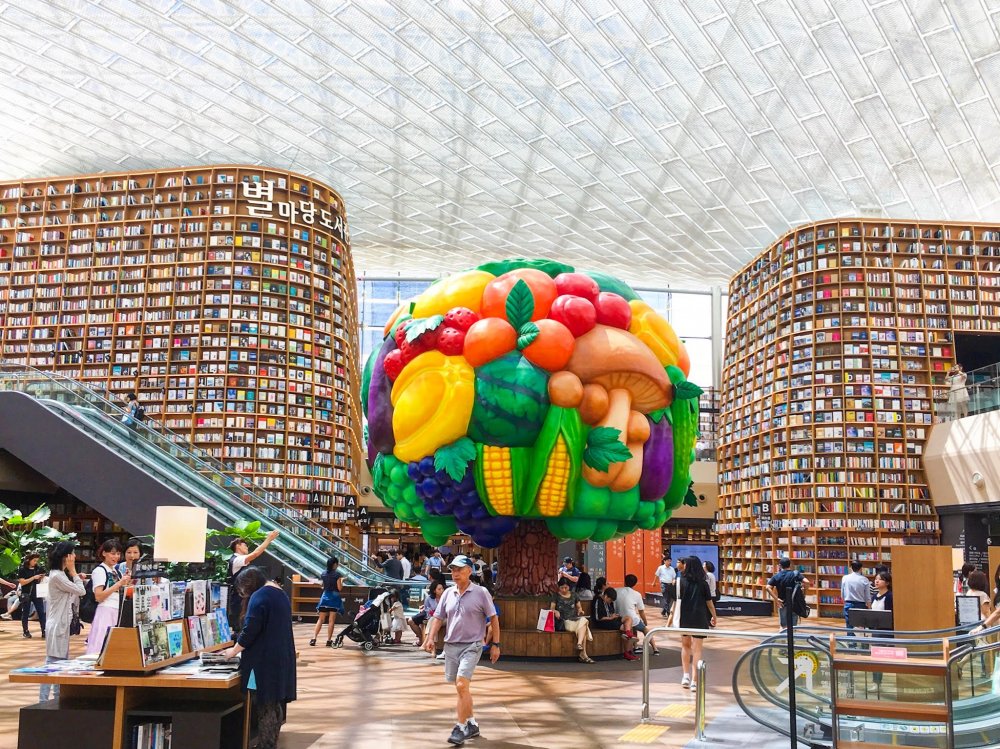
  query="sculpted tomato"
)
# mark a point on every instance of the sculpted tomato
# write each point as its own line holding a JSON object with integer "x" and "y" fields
{"x": 577, "y": 284}
{"x": 575, "y": 313}
{"x": 613, "y": 310}
{"x": 543, "y": 292}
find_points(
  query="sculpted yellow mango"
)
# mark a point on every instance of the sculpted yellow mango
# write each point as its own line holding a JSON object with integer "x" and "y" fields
{"x": 649, "y": 327}
{"x": 432, "y": 404}
{"x": 461, "y": 290}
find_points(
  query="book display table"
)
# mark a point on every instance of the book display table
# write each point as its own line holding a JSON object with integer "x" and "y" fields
{"x": 98, "y": 711}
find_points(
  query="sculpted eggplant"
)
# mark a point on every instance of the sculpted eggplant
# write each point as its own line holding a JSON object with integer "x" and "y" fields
{"x": 380, "y": 436}
{"x": 657, "y": 460}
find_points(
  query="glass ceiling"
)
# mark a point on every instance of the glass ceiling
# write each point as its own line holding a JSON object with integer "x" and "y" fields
{"x": 663, "y": 140}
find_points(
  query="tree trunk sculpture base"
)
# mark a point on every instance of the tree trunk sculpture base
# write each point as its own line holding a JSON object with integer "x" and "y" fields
{"x": 529, "y": 558}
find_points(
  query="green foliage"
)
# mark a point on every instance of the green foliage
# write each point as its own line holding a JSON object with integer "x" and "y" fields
{"x": 612, "y": 284}
{"x": 657, "y": 416}
{"x": 550, "y": 267}
{"x": 690, "y": 500}
{"x": 520, "y": 305}
{"x": 526, "y": 335}
{"x": 378, "y": 471}
{"x": 454, "y": 459}
{"x": 604, "y": 448}
{"x": 511, "y": 402}
{"x": 418, "y": 328}
{"x": 23, "y": 534}
{"x": 687, "y": 390}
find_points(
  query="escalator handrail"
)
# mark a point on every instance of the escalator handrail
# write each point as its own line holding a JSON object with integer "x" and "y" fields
{"x": 297, "y": 549}
{"x": 290, "y": 513}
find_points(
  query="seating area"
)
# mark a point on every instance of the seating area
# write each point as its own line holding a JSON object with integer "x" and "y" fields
{"x": 521, "y": 638}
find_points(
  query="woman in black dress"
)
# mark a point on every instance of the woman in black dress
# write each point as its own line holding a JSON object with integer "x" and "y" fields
{"x": 697, "y": 611}
{"x": 267, "y": 667}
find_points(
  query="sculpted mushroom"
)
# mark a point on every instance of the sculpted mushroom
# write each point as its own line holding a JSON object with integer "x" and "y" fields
{"x": 635, "y": 382}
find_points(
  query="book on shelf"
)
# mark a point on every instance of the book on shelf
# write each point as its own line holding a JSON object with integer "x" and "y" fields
{"x": 175, "y": 638}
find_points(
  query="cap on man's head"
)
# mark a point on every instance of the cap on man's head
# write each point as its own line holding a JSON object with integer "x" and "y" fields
{"x": 568, "y": 559}
{"x": 461, "y": 561}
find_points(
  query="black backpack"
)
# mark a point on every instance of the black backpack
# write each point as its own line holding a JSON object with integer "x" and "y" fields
{"x": 88, "y": 601}
{"x": 139, "y": 414}
{"x": 798, "y": 603}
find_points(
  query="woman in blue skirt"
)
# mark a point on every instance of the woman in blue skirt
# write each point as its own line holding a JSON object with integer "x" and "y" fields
{"x": 330, "y": 604}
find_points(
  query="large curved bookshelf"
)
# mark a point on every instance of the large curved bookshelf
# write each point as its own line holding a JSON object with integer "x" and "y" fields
{"x": 839, "y": 338}
{"x": 224, "y": 295}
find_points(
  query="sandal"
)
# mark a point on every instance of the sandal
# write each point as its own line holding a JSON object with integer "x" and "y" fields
{"x": 585, "y": 659}
{"x": 579, "y": 646}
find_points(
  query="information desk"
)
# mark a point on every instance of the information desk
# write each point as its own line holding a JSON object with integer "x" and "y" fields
{"x": 99, "y": 711}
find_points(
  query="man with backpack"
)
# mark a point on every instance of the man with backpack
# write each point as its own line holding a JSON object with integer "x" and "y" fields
{"x": 135, "y": 414}
{"x": 782, "y": 585}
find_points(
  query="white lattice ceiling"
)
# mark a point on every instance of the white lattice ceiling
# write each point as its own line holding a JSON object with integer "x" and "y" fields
{"x": 665, "y": 140}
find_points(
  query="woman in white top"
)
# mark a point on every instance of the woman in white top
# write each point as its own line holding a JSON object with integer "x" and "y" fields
{"x": 107, "y": 583}
{"x": 65, "y": 589}
{"x": 958, "y": 394}
{"x": 979, "y": 586}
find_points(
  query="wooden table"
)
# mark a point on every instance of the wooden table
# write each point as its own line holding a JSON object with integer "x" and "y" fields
{"x": 152, "y": 695}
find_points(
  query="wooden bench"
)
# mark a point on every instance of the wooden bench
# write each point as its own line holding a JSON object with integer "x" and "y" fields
{"x": 521, "y": 638}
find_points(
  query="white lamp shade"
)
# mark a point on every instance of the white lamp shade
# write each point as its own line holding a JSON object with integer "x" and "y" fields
{"x": 180, "y": 534}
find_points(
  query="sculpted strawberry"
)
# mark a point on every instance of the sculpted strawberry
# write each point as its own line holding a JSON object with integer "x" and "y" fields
{"x": 460, "y": 318}
{"x": 393, "y": 364}
{"x": 450, "y": 341}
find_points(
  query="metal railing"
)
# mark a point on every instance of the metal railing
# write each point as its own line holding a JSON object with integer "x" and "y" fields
{"x": 983, "y": 386}
{"x": 958, "y": 643}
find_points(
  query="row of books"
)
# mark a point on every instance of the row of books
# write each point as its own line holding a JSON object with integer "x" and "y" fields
{"x": 162, "y": 601}
{"x": 162, "y": 640}
{"x": 151, "y": 736}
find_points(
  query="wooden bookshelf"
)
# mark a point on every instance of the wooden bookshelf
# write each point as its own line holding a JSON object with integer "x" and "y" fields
{"x": 839, "y": 338}
{"x": 224, "y": 295}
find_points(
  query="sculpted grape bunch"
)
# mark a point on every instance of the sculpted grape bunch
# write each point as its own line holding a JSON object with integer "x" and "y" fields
{"x": 525, "y": 389}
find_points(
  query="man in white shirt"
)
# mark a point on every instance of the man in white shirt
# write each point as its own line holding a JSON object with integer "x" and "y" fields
{"x": 629, "y": 605}
{"x": 855, "y": 590}
{"x": 407, "y": 565}
{"x": 667, "y": 577}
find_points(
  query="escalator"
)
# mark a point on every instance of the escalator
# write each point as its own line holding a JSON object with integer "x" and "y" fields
{"x": 761, "y": 688}
{"x": 77, "y": 440}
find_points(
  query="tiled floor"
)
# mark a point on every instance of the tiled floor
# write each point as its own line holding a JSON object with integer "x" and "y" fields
{"x": 397, "y": 698}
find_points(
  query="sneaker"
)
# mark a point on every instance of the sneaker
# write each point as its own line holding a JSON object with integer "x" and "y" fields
{"x": 694, "y": 686}
{"x": 26, "y": 635}
{"x": 457, "y": 736}
{"x": 440, "y": 657}
{"x": 631, "y": 656}
{"x": 685, "y": 682}
{"x": 471, "y": 730}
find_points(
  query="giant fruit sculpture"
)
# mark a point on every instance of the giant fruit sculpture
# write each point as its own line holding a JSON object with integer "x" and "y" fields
{"x": 524, "y": 391}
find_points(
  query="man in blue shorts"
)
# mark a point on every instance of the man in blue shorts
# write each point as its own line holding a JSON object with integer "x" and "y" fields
{"x": 466, "y": 608}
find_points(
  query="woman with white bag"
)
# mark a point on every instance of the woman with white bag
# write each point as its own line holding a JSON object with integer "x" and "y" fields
{"x": 570, "y": 618}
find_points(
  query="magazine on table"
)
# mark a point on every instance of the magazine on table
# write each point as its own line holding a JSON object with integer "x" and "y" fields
{"x": 177, "y": 590}
{"x": 175, "y": 638}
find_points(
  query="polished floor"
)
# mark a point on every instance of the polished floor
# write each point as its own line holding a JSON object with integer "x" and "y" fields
{"x": 397, "y": 698}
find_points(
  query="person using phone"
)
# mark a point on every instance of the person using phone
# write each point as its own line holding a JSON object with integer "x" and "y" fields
{"x": 28, "y": 577}
{"x": 65, "y": 589}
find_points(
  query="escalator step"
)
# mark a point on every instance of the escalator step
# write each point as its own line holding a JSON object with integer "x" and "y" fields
{"x": 677, "y": 710}
{"x": 644, "y": 733}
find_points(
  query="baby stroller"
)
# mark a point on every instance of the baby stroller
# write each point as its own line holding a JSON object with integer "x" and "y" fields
{"x": 367, "y": 628}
